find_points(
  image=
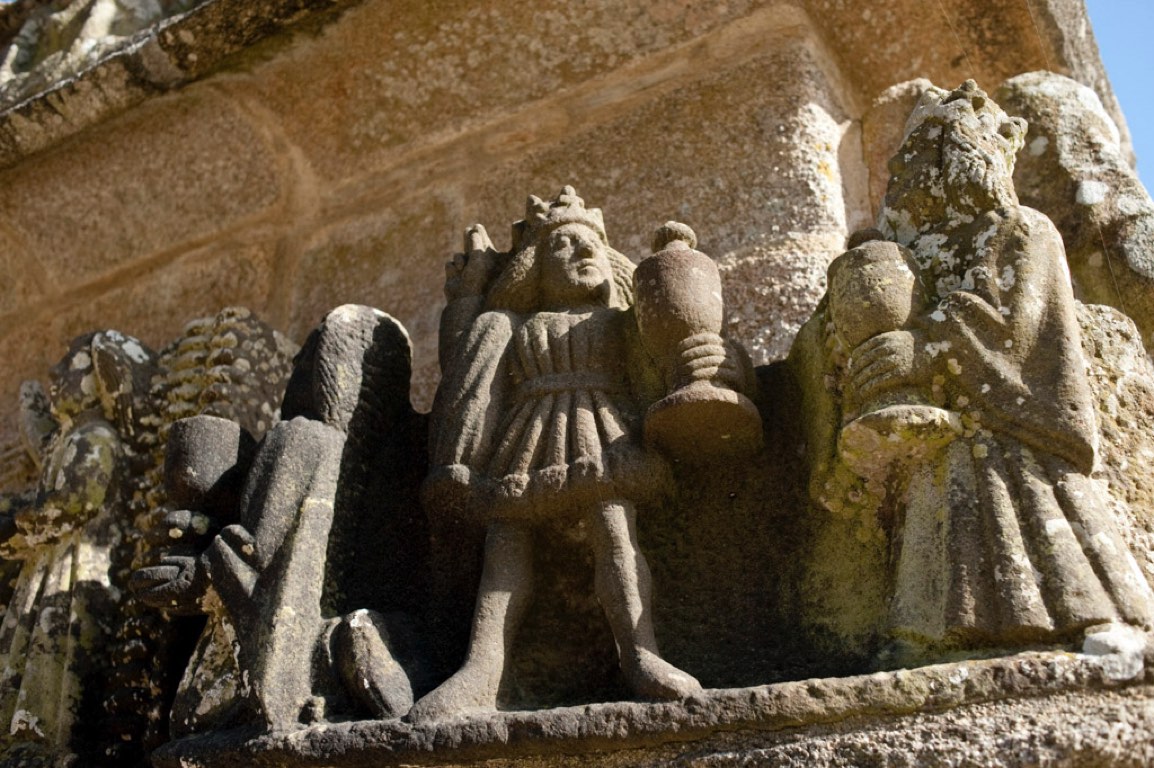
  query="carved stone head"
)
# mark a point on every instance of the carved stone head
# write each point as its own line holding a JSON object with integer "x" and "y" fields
{"x": 562, "y": 260}
{"x": 107, "y": 370}
{"x": 957, "y": 159}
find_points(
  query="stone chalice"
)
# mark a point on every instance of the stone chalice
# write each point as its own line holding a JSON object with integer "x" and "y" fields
{"x": 680, "y": 315}
{"x": 874, "y": 288}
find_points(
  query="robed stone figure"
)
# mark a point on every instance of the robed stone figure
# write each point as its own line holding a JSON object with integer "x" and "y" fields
{"x": 976, "y": 410}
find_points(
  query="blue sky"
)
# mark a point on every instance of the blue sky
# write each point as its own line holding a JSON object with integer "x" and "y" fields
{"x": 1125, "y": 33}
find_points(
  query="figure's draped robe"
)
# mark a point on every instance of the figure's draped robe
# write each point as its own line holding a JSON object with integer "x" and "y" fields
{"x": 540, "y": 415}
{"x": 65, "y": 584}
{"x": 1005, "y": 538}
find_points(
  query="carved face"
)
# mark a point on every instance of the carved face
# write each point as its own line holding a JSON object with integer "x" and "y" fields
{"x": 957, "y": 158}
{"x": 978, "y": 151}
{"x": 575, "y": 268}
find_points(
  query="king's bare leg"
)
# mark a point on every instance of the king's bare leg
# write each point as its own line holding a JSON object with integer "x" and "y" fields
{"x": 506, "y": 584}
{"x": 624, "y": 587}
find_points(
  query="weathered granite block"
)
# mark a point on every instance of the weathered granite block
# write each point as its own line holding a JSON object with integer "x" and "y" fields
{"x": 391, "y": 259}
{"x": 178, "y": 171}
{"x": 391, "y": 80}
{"x": 27, "y": 281}
{"x": 1076, "y": 171}
{"x": 159, "y": 303}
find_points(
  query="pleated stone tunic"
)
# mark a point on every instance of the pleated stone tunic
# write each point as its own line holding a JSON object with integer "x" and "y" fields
{"x": 546, "y": 416}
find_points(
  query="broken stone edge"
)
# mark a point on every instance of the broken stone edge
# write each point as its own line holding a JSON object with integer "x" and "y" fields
{"x": 166, "y": 56}
{"x": 632, "y": 725}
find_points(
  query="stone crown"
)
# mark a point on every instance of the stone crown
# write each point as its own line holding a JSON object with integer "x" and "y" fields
{"x": 568, "y": 208}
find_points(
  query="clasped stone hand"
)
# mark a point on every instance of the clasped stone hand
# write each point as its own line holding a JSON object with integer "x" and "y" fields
{"x": 886, "y": 362}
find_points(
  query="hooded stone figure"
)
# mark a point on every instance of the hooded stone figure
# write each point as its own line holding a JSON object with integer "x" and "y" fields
{"x": 538, "y": 423}
{"x": 85, "y": 434}
{"x": 1000, "y": 539}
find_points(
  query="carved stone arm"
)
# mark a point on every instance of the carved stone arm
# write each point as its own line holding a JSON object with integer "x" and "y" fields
{"x": 467, "y": 279}
{"x": 78, "y": 482}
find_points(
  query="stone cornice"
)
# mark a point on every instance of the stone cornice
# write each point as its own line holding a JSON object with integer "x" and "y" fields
{"x": 166, "y": 56}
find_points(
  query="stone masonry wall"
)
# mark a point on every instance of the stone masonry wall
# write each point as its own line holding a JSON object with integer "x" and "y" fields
{"x": 339, "y": 159}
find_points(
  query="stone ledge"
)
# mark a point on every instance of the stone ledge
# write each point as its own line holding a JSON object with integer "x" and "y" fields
{"x": 166, "y": 56}
{"x": 631, "y": 725}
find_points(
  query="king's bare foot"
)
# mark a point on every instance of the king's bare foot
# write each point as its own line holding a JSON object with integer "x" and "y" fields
{"x": 470, "y": 690}
{"x": 651, "y": 677}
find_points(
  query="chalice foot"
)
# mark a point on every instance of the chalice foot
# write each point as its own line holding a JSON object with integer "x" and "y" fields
{"x": 701, "y": 422}
{"x": 874, "y": 442}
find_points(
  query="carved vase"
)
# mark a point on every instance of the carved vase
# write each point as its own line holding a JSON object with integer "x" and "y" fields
{"x": 679, "y": 309}
{"x": 874, "y": 288}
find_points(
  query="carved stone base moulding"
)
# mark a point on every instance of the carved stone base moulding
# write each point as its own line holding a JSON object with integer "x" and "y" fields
{"x": 658, "y": 733}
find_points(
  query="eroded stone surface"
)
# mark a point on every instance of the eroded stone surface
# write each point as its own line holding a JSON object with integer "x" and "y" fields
{"x": 58, "y": 41}
{"x": 81, "y": 224}
{"x": 640, "y": 734}
{"x": 444, "y": 70}
{"x": 951, "y": 41}
{"x": 1075, "y": 170}
{"x": 1122, "y": 379}
{"x": 24, "y": 286}
{"x": 85, "y": 90}
{"x": 773, "y": 288}
{"x": 198, "y": 283}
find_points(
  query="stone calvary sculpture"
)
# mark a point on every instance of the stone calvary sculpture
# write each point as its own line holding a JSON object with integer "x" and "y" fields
{"x": 539, "y": 424}
{"x": 962, "y": 395}
{"x": 273, "y": 651}
{"x": 917, "y": 483}
{"x": 86, "y": 433}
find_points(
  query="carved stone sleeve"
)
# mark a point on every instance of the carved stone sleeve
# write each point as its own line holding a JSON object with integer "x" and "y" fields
{"x": 472, "y": 396}
{"x": 456, "y": 319}
{"x": 1008, "y": 347}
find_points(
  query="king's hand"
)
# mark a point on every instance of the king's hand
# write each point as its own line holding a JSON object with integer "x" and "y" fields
{"x": 470, "y": 273}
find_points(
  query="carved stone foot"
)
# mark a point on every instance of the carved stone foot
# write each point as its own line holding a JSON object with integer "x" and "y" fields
{"x": 471, "y": 690}
{"x": 903, "y": 653}
{"x": 651, "y": 677}
{"x": 367, "y": 667}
